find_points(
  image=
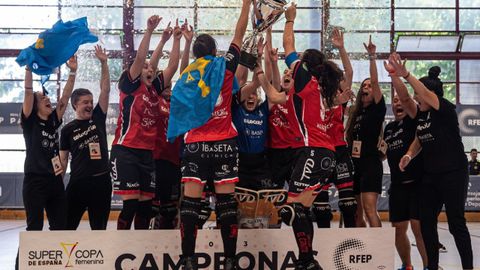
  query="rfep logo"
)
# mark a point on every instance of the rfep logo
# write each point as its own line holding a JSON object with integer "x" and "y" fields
{"x": 350, "y": 253}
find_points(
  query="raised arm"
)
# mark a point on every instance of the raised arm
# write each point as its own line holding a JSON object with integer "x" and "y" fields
{"x": 28, "y": 97}
{"x": 271, "y": 62}
{"x": 158, "y": 52}
{"x": 288, "y": 35}
{"x": 68, "y": 88}
{"x": 104, "y": 97}
{"x": 174, "y": 55}
{"x": 187, "y": 31}
{"x": 372, "y": 50}
{"x": 420, "y": 89}
{"x": 339, "y": 43}
{"x": 273, "y": 95}
{"x": 241, "y": 23}
{"x": 137, "y": 66}
{"x": 252, "y": 86}
{"x": 408, "y": 104}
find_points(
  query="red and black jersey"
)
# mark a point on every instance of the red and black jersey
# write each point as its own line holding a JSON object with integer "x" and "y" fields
{"x": 165, "y": 150}
{"x": 310, "y": 110}
{"x": 139, "y": 112}
{"x": 337, "y": 131}
{"x": 220, "y": 126}
{"x": 284, "y": 130}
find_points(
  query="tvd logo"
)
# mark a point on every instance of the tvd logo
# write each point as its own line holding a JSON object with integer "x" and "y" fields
{"x": 215, "y": 261}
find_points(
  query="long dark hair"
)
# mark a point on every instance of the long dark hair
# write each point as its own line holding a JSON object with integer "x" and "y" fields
{"x": 204, "y": 45}
{"x": 326, "y": 72}
{"x": 354, "y": 111}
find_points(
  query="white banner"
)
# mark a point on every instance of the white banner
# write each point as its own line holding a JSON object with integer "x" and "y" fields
{"x": 274, "y": 249}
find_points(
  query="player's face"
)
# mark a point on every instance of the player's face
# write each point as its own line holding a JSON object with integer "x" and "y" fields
{"x": 44, "y": 106}
{"x": 148, "y": 74}
{"x": 84, "y": 107}
{"x": 398, "y": 108}
{"x": 252, "y": 102}
{"x": 367, "y": 96}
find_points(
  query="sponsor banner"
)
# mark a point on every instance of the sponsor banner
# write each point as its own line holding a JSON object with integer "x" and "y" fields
{"x": 11, "y": 193}
{"x": 469, "y": 119}
{"x": 10, "y": 116}
{"x": 274, "y": 249}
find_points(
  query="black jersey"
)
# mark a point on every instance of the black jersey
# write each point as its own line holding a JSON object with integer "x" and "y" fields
{"x": 399, "y": 135}
{"x": 86, "y": 140}
{"x": 439, "y": 136}
{"x": 41, "y": 142}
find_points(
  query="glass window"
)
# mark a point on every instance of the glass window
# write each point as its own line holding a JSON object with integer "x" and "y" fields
{"x": 13, "y": 91}
{"x": 354, "y": 42}
{"x": 218, "y": 18}
{"x": 169, "y": 15}
{"x": 307, "y": 19}
{"x": 361, "y": 19}
{"x": 98, "y": 18}
{"x": 469, "y": 71}
{"x": 360, "y": 3}
{"x": 92, "y": 2}
{"x": 303, "y": 41}
{"x": 10, "y": 70}
{"x": 420, "y": 68}
{"x": 154, "y": 40}
{"x": 424, "y": 19}
{"x": 470, "y": 93}
{"x": 17, "y": 41}
{"x": 470, "y": 3}
{"x": 28, "y": 17}
{"x": 423, "y": 3}
{"x": 471, "y": 43}
{"x": 168, "y": 3}
{"x": 469, "y": 20}
{"x": 427, "y": 43}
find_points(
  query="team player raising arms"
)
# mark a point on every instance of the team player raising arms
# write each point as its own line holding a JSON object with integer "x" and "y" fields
{"x": 294, "y": 140}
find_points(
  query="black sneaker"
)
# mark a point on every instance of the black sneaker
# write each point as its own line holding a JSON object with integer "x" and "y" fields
{"x": 307, "y": 265}
{"x": 189, "y": 263}
{"x": 230, "y": 264}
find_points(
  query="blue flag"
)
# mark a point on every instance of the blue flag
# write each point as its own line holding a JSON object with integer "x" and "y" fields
{"x": 195, "y": 94}
{"x": 55, "y": 46}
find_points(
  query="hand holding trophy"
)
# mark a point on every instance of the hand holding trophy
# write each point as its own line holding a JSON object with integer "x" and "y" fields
{"x": 265, "y": 13}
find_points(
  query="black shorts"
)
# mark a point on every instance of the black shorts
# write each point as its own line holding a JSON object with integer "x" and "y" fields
{"x": 403, "y": 202}
{"x": 281, "y": 162}
{"x": 312, "y": 168}
{"x": 342, "y": 176}
{"x": 132, "y": 171}
{"x": 254, "y": 172}
{"x": 368, "y": 175}
{"x": 210, "y": 162}
{"x": 167, "y": 177}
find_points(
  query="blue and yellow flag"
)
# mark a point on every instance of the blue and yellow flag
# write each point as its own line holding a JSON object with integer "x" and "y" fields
{"x": 195, "y": 94}
{"x": 55, "y": 46}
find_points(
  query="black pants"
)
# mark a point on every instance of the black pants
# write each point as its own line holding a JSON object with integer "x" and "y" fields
{"x": 44, "y": 192}
{"x": 167, "y": 177}
{"x": 449, "y": 189}
{"x": 93, "y": 194}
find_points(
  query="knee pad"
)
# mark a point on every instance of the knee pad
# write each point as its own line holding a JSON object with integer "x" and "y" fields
{"x": 347, "y": 202}
{"x": 190, "y": 207}
{"x": 226, "y": 206}
{"x": 289, "y": 212}
{"x": 322, "y": 211}
{"x": 204, "y": 213}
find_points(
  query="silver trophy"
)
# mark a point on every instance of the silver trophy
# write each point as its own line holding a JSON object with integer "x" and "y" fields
{"x": 265, "y": 13}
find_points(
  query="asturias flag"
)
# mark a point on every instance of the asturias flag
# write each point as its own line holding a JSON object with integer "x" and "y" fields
{"x": 56, "y": 45}
{"x": 195, "y": 94}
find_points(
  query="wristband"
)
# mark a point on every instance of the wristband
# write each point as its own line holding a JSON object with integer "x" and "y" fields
{"x": 289, "y": 21}
{"x": 72, "y": 73}
{"x": 372, "y": 57}
{"x": 409, "y": 157}
{"x": 259, "y": 72}
{"x": 408, "y": 75}
{"x": 28, "y": 88}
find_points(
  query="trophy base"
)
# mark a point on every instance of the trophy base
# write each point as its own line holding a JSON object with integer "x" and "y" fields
{"x": 248, "y": 60}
